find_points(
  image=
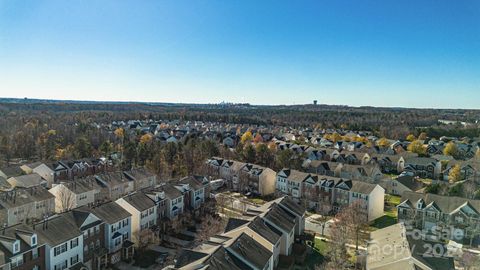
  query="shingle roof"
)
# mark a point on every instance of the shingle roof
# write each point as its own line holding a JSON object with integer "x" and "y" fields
{"x": 110, "y": 212}
{"x": 258, "y": 225}
{"x": 446, "y": 204}
{"x": 139, "y": 201}
{"x": 251, "y": 251}
{"x": 56, "y": 230}
{"x": 362, "y": 187}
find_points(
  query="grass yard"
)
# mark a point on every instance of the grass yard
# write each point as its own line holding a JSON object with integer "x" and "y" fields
{"x": 394, "y": 200}
{"x": 390, "y": 218}
{"x": 321, "y": 246}
{"x": 318, "y": 254}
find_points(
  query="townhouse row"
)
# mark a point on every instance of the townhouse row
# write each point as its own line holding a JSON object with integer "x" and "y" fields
{"x": 324, "y": 193}
{"x": 265, "y": 238}
{"x": 95, "y": 235}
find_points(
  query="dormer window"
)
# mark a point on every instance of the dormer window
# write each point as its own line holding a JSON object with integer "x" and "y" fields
{"x": 16, "y": 247}
{"x": 34, "y": 240}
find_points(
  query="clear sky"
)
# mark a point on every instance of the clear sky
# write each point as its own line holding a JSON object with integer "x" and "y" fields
{"x": 410, "y": 53}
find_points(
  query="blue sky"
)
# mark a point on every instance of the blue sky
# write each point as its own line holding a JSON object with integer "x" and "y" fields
{"x": 405, "y": 53}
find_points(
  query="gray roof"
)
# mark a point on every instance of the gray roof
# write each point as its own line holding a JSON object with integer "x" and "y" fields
{"x": 362, "y": 187}
{"x": 251, "y": 251}
{"x": 293, "y": 206}
{"x": 279, "y": 217}
{"x": 139, "y": 201}
{"x": 296, "y": 176}
{"x": 446, "y": 204}
{"x": 110, "y": 212}
{"x": 410, "y": 182}
{"x": 258, "y": 225}
{"x": 19, "y": 197}
{"x": 29, "y": 180}
{"x": 56, "y": 230}
{"x": 171, "y": 192}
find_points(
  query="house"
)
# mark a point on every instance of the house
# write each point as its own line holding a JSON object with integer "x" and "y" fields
{"x": 423, "y": 167}
{"x": 141, "y": 178}
{"x": 114, "y": 185}
{"x": 393, "y": 248}
{"x": 222, "y": 252}
{"x": 388, "y": 163}
{"x": 95, "y": 255}
{"x": 69, "y": 195}
{"x": 230, "y": 172}
{"x": 369, "y": 196}
{"x": 370, "y": 173}
{"x": 143, "y": 213}
{"x": 401, "y": 184}
{"x": 259, "y": 231}
{"x": 251, "y": 253}
{"x": 63, "y": 242}
{"x": 41, "y": 169}
{"x": 27, "y": 181}
{"x": 194, "y": 191}
{"x": 174, "y": 201}
{"x": 26, "y": 205}
{"x": 118, "y": 230}
{"x": 229, "y": 142}
{"x": 256, "y": 179}
{"x": 12, "y": 171}
{"x": 291, "y": 182}
{"x": 336, "y": 193}
{"x": 21, "y": 249}
{"x": 278, "y": 220}
{"x": 432, "y": 214}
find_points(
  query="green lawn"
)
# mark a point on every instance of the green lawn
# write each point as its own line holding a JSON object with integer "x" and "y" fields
{"x": 386, "y": 220}
{"x": 394, "y": 200}
{"x": 320, "y": 246}
{"x": 318, "y": 254}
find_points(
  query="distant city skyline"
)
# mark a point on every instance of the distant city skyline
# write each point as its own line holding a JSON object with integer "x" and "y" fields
{"x": 423, "y": 54}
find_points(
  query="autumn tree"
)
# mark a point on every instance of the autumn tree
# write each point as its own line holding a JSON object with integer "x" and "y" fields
{"x": 383, "y": 142}
{"x": 411, "y": 138}
{"x": 247, "y": 137}
{"x": 417, "y": 147}
{"x": 455, "y": 173}
{"x": 450, "y": 149}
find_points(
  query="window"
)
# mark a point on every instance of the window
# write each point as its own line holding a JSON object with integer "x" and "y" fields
{"x": 16, "y": 261}
{"x": 60, "y": 249}
{"x": 85, "y": 249}
{"x": 34, "y": 240}
{"x": 34, "y": 253}
{"x": 125, "y": 236}
{"x": 98, "y": 244}
{"x": 97, "y": 229}
{"x": 74, "y": 243}
{"x": 85, "y": 234}
{"x": 118, "y": 241}
{"x": 74, "y": 260}
{"x": 125, "y": 222}
{"x": 61, "y": 266}
{"x": 459, "y": 219}
{"x": 16, "y": 247}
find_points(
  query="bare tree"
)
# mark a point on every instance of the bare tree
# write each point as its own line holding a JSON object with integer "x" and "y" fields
{"x": 210, "y": 226}
{"x": 65, "y": 199}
